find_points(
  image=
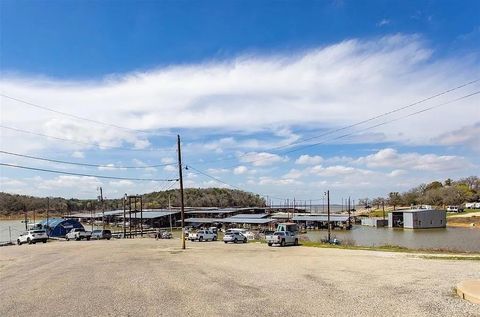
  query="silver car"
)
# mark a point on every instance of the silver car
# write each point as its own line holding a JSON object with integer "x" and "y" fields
{"x": 234, "y": 237}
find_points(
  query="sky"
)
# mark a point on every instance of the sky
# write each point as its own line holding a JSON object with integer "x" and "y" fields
{"x": 286, "y": 99}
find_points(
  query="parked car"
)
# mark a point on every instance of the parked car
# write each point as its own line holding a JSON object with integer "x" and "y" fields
{"x": 234, "y": 237}
{"x": 32, "y": 237}
{"x": 249, "y": 235}
{"x": 202, "y": 235}
{"x": 282, "y": 238}
{"x": 78, "y": 234}
{"x": 101, "y": 234}
{"x": 454, "y": 209}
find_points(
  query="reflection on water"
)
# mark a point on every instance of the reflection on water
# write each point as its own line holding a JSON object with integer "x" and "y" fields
{"x": 459, "y": 239}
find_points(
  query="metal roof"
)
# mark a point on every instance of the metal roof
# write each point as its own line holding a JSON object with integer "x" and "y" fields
{"x": 320, "y": 218}
{"x": 151, "y": 214}
{"x": 250, "y": 216}
{"x": 217, "y": 211}
{"x": 203, "y": 220}
{"x": 248, "y": 220}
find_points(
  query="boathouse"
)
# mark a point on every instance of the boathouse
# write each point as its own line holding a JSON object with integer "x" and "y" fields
{"x": 417, "y": 219}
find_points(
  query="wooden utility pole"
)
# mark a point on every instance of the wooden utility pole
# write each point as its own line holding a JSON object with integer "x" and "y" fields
{"x": 349, "y": 216}
{"x": 103, "y": 208}
{"x": 181, "y": 190}
{"x": 124, "y": 216}
{"x": 328, "y": 214}
{"x": 48, "y": 210}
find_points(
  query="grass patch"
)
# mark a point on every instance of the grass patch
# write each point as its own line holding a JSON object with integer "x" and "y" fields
{"x": 390, "y": 248}
{"x": 451, "y": 257}
{"x": 465, "y": 212}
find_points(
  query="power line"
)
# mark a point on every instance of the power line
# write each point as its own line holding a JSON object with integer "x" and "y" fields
{"x": 343, "y": 136}
{"x": 354, "y": 124}
{"x": 87, "y": 175}
{"x": 384, "y": 123}
{"x": 370, "y": 127}
{"x": 71, "y": 115}
{"x": 82, "y": 143}
{"x": 84, "y": 164}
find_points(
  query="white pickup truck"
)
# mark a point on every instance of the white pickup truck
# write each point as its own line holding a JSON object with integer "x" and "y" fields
{"x": 78, "y": 234}
{"x": 202, "y": 235}
{"x": 282, "y": 238}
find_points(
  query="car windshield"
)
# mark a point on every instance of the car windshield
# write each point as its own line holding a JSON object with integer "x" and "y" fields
{"x": 38, "y": 231}
{"x": 97, "y": 231}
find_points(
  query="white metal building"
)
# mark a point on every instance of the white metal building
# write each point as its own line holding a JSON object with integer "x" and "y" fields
{"x": 417, "y": 219}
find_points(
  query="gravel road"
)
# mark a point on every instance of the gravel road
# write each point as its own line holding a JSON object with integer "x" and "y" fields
{"x": 144, "y": 277}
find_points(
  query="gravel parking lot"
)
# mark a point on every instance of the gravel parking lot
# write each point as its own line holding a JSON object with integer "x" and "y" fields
{"x": 144, "y": 277}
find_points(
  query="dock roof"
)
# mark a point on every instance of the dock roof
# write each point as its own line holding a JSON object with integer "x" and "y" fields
{"x": 320, "y": 218}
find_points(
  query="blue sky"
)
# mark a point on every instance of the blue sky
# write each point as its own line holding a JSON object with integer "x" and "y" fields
{"x": 238, "y": 79}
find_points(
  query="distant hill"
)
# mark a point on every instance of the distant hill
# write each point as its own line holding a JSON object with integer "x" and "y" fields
{"x": 13, "y": 204}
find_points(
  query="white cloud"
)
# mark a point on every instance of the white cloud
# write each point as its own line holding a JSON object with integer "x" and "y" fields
{"x": 170, "y": 168}
{"x": 422, "y": 162}
{"x": 383, "y": 22}
{"x": 293, "y": 173}
{"x": 261, "y": 158}
{"x": 240, "y": 170}
{"x": 309, "y": 160}
{"x": 468, "y": 136}
{"x": 330, "y": 86}
{"x": 78, "y": 154}
{"x": 337, "y": 170}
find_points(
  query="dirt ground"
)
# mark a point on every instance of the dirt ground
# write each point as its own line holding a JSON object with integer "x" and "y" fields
{"x": 145, "y": 277}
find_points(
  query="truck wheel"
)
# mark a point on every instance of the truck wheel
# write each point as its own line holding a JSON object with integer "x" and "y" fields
{"x": 235, "y": 241}
{"x": 29, "y": 241}
{"x": 67, "y": 238}
{"x": 88, "y": 238}
{"x": 225, "y": 242}
{"x": 282, "y": 244}
{"x": 18, "y": 242}
{"x": 44, "y": 241}
{"x": 245, "y": 240}
{"x": 269, "y": 244}
{"x": 200, "y": 239}
{"x": 296, "y": 242}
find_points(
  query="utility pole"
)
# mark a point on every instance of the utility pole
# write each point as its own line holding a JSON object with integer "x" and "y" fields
{"x": 26, "y": 218}
{"x": 181, "y": 190}
{"x": 48, "y": 210}
{"x": 328, "y": 214}
{"x": 124, "y": 220}
{"x": 349, "y": 217}
{"x": 383, "y": 209}
{"x": 103, "y": 208}
{"x": 141, "y": 216}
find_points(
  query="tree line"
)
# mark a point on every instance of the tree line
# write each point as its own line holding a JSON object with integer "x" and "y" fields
{"x": 436, "y": 193}
{"x": 13, "y": 204}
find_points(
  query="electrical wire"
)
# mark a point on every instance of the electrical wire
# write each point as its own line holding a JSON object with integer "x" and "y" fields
{"x": 370, "y": 127}
{"x": 84, "y": 143}
{"x": 352, "y": 125}
{"x": 87, "y": 175}
{"x": 84, "y": 164}
{"x": 72, "y": 115}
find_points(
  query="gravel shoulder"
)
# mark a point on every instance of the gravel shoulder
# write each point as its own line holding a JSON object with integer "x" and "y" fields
{"x": 145, "y": 277}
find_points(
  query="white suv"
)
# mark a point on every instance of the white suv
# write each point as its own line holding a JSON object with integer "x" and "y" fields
{"x": 32, "y": 236}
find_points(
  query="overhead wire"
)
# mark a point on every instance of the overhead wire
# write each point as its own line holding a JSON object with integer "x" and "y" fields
{"x": 84, "y": 143}
{"x": 87, "y": 175}
{"x": 84, "y": 164}
{"x": 368, "y": 128}
{"x": 351, "y": 125}
{"x": 35, "y": 105}
{"x": 343, "y": 136}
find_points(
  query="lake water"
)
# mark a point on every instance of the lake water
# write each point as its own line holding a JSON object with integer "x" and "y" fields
{"x": 459, "y": 239}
